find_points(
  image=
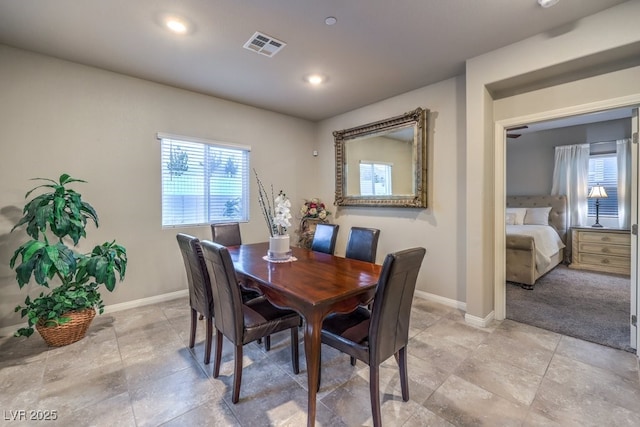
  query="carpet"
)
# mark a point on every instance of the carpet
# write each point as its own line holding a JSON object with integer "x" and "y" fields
{"x": 583, "y": 304}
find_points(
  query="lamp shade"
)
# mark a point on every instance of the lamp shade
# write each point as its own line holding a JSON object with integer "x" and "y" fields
{"x": 597, "y": 192}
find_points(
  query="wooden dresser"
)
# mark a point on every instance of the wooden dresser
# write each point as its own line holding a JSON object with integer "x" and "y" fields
{"x": 601, "y": 249}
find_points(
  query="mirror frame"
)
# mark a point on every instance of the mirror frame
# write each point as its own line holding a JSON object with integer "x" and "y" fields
{"x": 416, "y": 118}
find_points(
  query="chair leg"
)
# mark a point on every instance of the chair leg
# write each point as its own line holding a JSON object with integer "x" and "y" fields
{"x": 207, "y": 343}
{"x": 404, "y": 381}
{"x": 237, "y": 374}
{"x": 267, "y": 343}
{"x": 295, "y": 359}
{"x": 374, "y": 389}
{"x": 216, "y": 362}
{"x": 194, "y": 324}
{"x": 353, "y": 361}
{"x": 201, "y": 316}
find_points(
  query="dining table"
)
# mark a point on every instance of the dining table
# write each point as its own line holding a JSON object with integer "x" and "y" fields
{"x": 314, "y": 284}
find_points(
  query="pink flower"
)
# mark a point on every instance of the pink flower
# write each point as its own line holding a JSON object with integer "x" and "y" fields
{"x": 314, "y": 209}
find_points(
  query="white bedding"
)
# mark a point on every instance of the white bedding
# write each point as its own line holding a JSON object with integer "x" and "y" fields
{"x": 548, "y": 243}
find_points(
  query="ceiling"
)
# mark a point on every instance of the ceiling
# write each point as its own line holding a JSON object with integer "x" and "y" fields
{"x": 377, "y": 48}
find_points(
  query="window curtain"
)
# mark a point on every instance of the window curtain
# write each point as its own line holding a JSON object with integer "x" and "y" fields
{"x": 623, "y": 154}
{"x": 570, "y": 178}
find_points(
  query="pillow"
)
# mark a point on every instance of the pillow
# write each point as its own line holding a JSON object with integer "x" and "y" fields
{"x": 519, "y": 213}
{"x": 510, "y": 218}
{"x": 537, "y": 216}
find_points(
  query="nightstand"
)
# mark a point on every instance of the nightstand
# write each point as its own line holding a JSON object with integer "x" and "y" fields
{"x": 601, "y": 249}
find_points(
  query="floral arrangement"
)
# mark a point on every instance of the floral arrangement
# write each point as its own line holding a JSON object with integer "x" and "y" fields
{"x": 278, "y": 214}
{"x": 314, "y": 208}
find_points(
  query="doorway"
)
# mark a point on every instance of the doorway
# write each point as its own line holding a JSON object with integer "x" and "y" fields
{"x": 562, "y": 299}
{"x": 500, "y": 191}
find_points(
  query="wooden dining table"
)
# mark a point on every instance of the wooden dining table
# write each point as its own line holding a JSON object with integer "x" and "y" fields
{"x": 315, "y": 284}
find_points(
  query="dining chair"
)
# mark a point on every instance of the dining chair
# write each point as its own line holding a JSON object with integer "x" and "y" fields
{"x": 324, "y": 238}
{"x": 374, "y": 336}
{"x": 242, "y": 323}
{"x": 226, "y": 234}
{"x": 362, "y": 244}
{"x": 200, "y": 294}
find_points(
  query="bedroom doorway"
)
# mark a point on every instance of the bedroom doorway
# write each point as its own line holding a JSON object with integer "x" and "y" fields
{"x": 548, "y": 120}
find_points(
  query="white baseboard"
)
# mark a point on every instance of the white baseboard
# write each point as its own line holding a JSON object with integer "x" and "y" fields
{"x": 479, "y": 321}
{"x": 442, "y": 300}
{"x": 472, "y": 320}
{"x": 10, "y": 330}
{"x": 146, "y": 301}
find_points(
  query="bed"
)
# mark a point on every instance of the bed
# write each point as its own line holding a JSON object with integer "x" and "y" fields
{"x": 536, "y": 237}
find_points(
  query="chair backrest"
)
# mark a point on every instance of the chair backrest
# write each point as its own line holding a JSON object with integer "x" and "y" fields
{"x": 226, "y": 292}
{"x": 389, "y": 327}
{"x": 226, "y": 234}
{"x": 363, "y": 244}
{"x": 200, "y": 294}
{"x": 324, "y": 238}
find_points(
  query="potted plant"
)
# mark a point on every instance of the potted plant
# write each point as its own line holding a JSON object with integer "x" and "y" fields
{"x": 54, "y": 218}
{"x": 277, "y": 217}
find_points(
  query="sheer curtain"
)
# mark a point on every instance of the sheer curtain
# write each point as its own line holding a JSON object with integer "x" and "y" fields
{"x": 623, "y": 154}
{"x": 571, "y": 178}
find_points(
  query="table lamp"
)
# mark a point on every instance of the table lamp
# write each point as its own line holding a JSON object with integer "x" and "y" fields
{"x": 597, "y": 192}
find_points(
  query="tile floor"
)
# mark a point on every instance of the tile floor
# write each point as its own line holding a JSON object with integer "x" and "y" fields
{"x": 134, "y": 369}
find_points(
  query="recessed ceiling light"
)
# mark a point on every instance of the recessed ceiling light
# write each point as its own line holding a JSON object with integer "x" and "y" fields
{"x": 330, "y": 20}
{"x": 176, "y": 24}
{"x": 315, "y": 79}
{"x": 547, "y": 3}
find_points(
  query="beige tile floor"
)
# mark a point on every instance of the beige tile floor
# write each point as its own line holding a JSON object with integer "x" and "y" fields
{"x": 134, "y": 369}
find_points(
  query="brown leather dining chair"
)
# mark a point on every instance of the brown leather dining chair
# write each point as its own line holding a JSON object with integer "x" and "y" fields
{"x": 374, "y": 336}
{"x": 200, "y": 295}
{"x": 242, "y": 323}
{"x": 362, "y": 244}
{"x": 324, "y": 238}
{"x": 226, "y": 234}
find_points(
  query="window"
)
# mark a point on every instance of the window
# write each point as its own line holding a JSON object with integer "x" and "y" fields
{"x": 603, "y": 170}
{"x": 203, "y": 181}
{"x": 375, "y": 178}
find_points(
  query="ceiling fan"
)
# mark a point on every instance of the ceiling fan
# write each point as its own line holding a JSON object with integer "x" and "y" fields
{"x": 515, "y": 135}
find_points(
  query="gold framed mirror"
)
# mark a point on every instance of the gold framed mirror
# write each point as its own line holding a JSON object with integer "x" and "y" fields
{"x": 383, "y": 163}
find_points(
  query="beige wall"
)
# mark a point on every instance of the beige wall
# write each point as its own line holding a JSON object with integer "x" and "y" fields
{"x": 592, "y": 37}
{"x": 58, "y": 117}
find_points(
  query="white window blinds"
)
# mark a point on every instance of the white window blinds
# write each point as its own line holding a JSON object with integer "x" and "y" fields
{"x": 603, "y": 170}
{"x": 203, "y": 181}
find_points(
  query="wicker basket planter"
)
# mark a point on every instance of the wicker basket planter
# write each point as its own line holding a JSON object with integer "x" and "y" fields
{"x": 70, "y": 332}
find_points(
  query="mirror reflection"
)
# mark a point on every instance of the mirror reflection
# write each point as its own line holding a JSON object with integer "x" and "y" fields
{"x": 382, "y": 163}
{"x": 377, "y": 165}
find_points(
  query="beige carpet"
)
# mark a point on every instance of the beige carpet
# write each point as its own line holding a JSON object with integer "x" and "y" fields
{"x": 587, "y": 305}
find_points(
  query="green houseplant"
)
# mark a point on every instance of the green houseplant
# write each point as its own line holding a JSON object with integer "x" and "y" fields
{"x": 54, "y": 218}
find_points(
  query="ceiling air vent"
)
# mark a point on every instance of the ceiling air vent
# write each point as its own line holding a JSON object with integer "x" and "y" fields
{"x": 264, "y": 44}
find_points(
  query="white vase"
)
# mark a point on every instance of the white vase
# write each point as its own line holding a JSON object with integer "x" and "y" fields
{"x": 279, "y": 247}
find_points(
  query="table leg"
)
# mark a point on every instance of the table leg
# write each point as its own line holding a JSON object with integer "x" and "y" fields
{"x": 312, "y": 344}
